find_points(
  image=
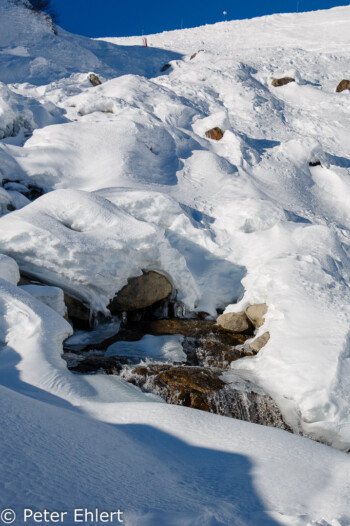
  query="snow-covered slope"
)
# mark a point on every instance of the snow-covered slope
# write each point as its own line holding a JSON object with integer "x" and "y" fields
{"x": 133, "y": 183}
{"x": 31, "y": 52}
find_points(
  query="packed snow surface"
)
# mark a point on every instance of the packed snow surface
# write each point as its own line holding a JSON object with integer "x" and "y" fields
{"x": 132, "y": 183}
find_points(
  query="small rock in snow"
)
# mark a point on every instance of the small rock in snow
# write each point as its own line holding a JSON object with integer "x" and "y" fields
{"x": 282, "y": 82}
{"x": 215, "y": 133}
{"x": 95, "y": 81}
{"x": 260, "y": 342}
{"x": 235, "y": 322}
{"x": 343, "y": 85}
{"x": 165, "y": 67}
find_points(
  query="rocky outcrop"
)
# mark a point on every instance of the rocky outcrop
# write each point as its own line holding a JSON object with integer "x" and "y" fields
{"x": 204, "y": 389}
{"x": 236, "y": 322}
{"x": 141, "y": 292}
{"x": 343, "y": 85}
{"x": 282, "y": 81}
{"x": 215, "y": 134}
{"x": 95, "y": 81}
{"x": 315, "y": 163}
{"x": 256, "y": 313}
{"x": 188, "y": 386}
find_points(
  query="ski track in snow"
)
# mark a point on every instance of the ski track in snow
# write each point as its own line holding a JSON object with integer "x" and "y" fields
{"x": 133, "y": 183}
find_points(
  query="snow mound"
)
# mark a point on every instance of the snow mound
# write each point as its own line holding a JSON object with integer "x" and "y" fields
{"x": 88, "y": 246}
{"x": 18, "y": 112}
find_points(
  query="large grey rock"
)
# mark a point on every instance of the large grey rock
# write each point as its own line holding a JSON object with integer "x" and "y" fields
{"x": 235, "y": 322}
{"x": 141, "y": 292}
{"x": 260, "y": 342}
{"x": 256, "y": 313}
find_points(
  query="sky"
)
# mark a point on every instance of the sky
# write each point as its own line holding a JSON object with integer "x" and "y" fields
{"x": 99, "y": 18}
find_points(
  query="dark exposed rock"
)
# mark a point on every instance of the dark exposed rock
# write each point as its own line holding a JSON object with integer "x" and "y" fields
{"x": 77, "y": 312}
{"x": 34, "y": 192}
{"x": 282, "y": 81}
{"x": 236, "y": 322}
{"x": 26, "y": 280}
{"x": 10, "y": 207}
{"x": 165, "y": 67}
{"x": 315, "y": 163}
{"x": 256, "y": 313}
{"x": 31, "y": 191}
{"x": 95, "y": 81}
{"x": 202, "y": 388}
{"x": 215, "y": 134}
{"x": 93, "y": 363}
{"x": 343, "y": 85}
{"x": 141, "y": 292}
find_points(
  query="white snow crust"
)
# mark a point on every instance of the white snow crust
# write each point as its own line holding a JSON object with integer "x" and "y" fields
{"x": 134, "y": 184}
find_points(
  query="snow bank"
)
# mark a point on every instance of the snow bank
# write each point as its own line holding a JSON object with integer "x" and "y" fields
{"x": 89, "y": 247}
{"x": 9, "y": 270}
{"x": 137, "y": 185}
{"x": 23, "y": 113}
{"x": 52, "y": 297}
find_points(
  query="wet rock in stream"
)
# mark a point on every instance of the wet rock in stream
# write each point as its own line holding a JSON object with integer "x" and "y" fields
{"x": 205, "y": 389}
{"x": 205, "y": 343}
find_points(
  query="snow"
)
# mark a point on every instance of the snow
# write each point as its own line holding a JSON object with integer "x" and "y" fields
{"x": 9, "y": 270}
{"x": 134, "y": 184}
{"x": 52, "y": 297}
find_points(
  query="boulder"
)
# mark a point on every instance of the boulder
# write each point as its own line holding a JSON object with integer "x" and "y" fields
{"x": 256, "y": 313}
{"x": 95, "y": 81}
{"x": 77, "y": 311}
{"x": 237, "y": 322}
{"x": 141, "y": 292}
{"x": 215, "y": 134}
{"x": 343, "y": 85}
{"x": 282, "y": 82}
{"x": 165, "y": 67}
{"x": 260, "y": 342}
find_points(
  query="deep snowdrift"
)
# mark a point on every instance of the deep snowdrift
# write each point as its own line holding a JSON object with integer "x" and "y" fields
{"x": 133, "y": 184}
